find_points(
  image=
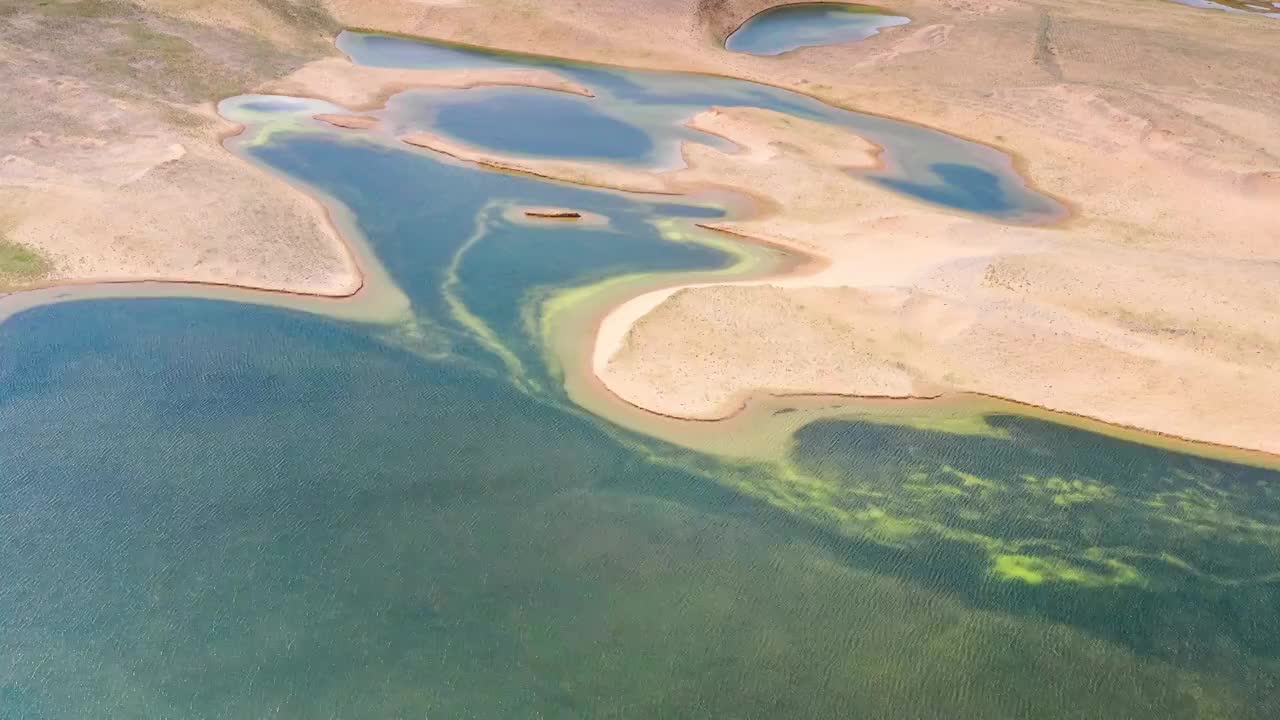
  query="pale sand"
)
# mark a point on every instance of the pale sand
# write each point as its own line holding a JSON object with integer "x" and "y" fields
{"x": 579, "y": 173}
{"x": 357, "y": 87}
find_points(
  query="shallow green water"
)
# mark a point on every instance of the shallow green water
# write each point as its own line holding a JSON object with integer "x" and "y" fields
{"x": 800, "y": 25}
{"x": 215, "y": 510}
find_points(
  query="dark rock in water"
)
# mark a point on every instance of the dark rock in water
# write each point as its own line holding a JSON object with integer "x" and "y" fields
{"x": 553, "y": 213}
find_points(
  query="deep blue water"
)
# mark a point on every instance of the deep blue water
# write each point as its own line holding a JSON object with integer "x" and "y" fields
{"x": 547, "y": 124}
{"x": 791, "y": 27}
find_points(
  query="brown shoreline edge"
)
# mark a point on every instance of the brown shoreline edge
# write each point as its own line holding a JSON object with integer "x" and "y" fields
{"x": 84, "y": 290}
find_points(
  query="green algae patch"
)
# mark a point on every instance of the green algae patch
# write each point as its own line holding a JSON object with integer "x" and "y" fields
{"x": 1037, "y": 570}
{"x": 1066, "y": 493}
{"x": 451, "y": 290}
{"x": 970, "y": 480}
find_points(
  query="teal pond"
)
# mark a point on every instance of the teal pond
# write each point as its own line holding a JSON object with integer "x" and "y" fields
{"x": 790, "y": 27}
{"x": 214, "y": 509}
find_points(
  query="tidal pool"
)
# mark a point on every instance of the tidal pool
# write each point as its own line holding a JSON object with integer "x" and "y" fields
{"x": 223, "y": 510}
{"x": 791, "y": 27}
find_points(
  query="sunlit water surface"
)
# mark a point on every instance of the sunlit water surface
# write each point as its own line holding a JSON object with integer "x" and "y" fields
{"x": 217, "y": 510}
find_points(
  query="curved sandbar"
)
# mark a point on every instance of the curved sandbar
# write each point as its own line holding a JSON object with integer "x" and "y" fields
{"x": 360, "y": 87}
{"x": 349, "y": 122}
{"x": 579, "y": 173}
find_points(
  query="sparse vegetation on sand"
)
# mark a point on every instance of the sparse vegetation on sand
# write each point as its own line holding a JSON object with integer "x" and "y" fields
{"x": 20, "y": 265}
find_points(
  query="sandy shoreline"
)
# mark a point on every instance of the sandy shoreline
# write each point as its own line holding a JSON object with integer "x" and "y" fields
{"x": 1147, "y": 306}
{"x": 605, "y": 334}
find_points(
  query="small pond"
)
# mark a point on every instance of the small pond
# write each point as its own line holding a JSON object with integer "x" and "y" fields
{"x": 791, "y": 27}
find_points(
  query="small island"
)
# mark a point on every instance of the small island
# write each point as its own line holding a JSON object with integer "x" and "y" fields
{"x": 553, "y": 213}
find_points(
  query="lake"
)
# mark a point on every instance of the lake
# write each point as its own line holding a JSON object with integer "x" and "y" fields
{"x": 213, "y": 509}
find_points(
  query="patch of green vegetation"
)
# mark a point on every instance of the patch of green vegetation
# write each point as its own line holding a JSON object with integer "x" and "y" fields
{"x": 20, "y": 264}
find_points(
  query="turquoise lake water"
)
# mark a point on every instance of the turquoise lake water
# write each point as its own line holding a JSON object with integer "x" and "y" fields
{"x": 791, "y": 27}
{"x": 221, "y": 510}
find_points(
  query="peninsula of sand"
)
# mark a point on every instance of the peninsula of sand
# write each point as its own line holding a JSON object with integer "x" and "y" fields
{"x": 1153, "y": 305}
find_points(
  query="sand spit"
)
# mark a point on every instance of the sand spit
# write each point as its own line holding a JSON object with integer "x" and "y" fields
{"x": 780, "y": 145}
{"x": 350, "y": 122}
{"x": 579, "y": 173}
{"x": 358, "y": 87}
{"x": 764, "y": 132}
